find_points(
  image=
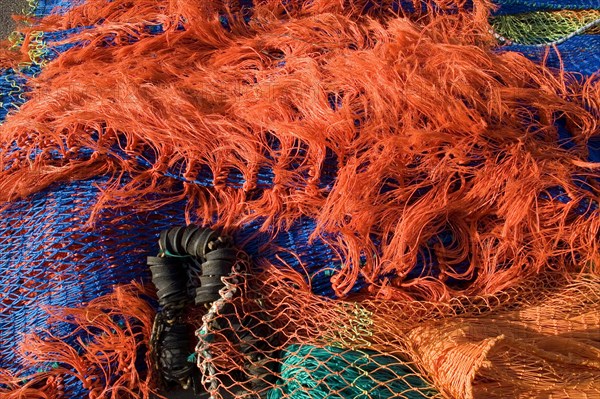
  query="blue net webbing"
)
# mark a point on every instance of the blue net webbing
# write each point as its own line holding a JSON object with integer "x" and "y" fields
{"x": 12, "y": 87}
{"x": 579, "y": 54}
{"x": 523, "y": 6}
{"x": 47, "y": 7}
{"x": 50, "y": 258}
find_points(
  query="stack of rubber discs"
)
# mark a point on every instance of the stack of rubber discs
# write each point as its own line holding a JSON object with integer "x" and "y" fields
{"x": 214, "y": 254}
{"x": 188, "y": 270}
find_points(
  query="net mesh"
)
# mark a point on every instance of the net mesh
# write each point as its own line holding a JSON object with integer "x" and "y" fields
{"x": 108, "y": 358}
{"x": 43, "y": 8}
{"x": 373, "y": 183}
{"x": 308, "y": 371}
{"x": 276, "y": 340}
{"x": 578, "y": 54}
{"x": 545, "y": 27}
{"x": 30, "y": 49}
{"x": 560, "y": 34}
{"x": 525, "y": 6}
{"x": 52, "y": 258}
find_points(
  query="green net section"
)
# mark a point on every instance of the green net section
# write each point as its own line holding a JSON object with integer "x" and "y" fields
{"x": 546, "y": 27}
{"x": 310, "y": 372}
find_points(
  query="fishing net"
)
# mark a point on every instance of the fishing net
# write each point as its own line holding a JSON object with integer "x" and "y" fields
{"x": 561, "y": 34}
{"x": 52, "y": 259}
{"x": 42, "y": 8}
{"x": 547, "y": 27}
{"x": 524, "y": 6}
{"x": 268, "y": 338}
{"x": 30, "y": 50}
{"x": 376, "y": 188}
{"x": 109, "y": 358}
{"x": 283, "y": 176}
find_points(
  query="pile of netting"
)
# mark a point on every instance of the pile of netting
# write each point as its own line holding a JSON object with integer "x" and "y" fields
{"x": 301, "y": 199}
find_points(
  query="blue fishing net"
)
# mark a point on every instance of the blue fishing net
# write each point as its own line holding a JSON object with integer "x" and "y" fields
{"x": 47, "y": 7}
{"x": 12, "y": 87}
{"x": 579, "y": 54}
{"x": 523, "y": 6}
{"x": 51, "y": 259}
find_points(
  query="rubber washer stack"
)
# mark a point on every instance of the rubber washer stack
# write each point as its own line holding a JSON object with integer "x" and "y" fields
{"x": 188, "y": 270}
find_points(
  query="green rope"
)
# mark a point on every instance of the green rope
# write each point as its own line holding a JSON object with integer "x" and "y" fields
{"x": 310, "y": 372}
{"x": 543, "y": 28}
{"x": 32, "y": 5}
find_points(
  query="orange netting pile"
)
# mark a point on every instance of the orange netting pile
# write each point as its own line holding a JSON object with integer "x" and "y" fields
{"x": 391, "y": 132}
{"x": 269, "y": 337}
{"x": 404, "y": 138}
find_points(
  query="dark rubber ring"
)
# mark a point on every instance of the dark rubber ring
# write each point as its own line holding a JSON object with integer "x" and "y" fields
{"x": 198, "y": 244}
{"x": 189, "y": 232}
{"x": 170, "y": 294}
{"x": 175, "y": 271}
{"x": 222, "y": 254}
{"x": 175, "y": 236}
{"x": 206, "y": 297}
{"x": 216, "y": 268}
{"x": 207, "y": 281}
{"x": 159, "y": 261}
{"x": 162, "y": 241}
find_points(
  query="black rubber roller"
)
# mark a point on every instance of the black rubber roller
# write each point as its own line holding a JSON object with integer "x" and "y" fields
{"x": 216, "y": 268}
{"x": 182, "y": 249}
{"x": 163, "y": 241}
{"x": 170, "y": 279}
{"x": 169, "y": 241}
{"x": 197, "y": 244}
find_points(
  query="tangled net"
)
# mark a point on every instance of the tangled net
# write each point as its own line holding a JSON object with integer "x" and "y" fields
{"x": 287, "y": 115}
{"x": 421, "y": 210}
{"x": 523, "y": 342}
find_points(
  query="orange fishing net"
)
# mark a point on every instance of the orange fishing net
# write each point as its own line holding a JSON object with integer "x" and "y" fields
{"x": 269, "y": 337}
{"x": 541, "y": 341}
{"x": 108, "y": 365}
{"x": 430, "y": 133}
{"x": 399, "y": 135}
